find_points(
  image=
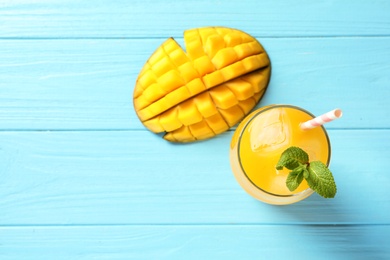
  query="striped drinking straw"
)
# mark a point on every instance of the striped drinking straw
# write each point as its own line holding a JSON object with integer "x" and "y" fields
{"x": 320, "y": 120}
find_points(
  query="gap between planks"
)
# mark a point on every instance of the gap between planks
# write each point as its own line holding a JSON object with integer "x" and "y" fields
{"x": 165, "y": 37}
{"x": 308, "y": 224}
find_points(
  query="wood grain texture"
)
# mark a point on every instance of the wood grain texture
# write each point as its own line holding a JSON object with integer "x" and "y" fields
{"x": 159, "y": 18}
{"x": 133, "y": 177}
{"x": 196, "y": 242}
{"x": 80, "y": 177}
{"x": 88, "y": 84}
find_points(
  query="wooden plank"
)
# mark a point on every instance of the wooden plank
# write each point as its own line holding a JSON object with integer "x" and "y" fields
{"x": 69, "y": 84}
{"x": 196, "y": 242}
{"x": 133, "y": 177}
{"x": 88, "y": 84}
{"x": 160, "y": 18}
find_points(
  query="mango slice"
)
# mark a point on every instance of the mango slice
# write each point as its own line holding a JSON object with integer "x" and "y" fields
{"x": 201, "y": 93}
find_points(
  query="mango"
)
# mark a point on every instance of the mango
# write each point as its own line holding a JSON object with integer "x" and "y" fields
{"x": 200, "y": 93}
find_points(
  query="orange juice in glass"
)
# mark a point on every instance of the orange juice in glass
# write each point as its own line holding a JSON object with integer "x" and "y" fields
{"x": 258, "y": 143}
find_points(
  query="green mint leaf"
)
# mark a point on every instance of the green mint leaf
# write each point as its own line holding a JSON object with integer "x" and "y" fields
{"x": 292, "y": 158}
{"x": 295, "y": 177}
{"x": 306, "y": 173}
{"x": 318, "y": 176}
{"x": 320, "y": 179}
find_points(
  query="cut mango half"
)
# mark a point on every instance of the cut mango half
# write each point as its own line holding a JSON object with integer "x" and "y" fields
{"x": 200, "y": 93}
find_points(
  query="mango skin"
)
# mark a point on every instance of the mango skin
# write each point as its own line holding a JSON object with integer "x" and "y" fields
{"x": 204, "y": 92}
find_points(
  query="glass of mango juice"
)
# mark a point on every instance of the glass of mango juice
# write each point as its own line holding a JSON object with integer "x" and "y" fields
{"x": 258, "y": 143}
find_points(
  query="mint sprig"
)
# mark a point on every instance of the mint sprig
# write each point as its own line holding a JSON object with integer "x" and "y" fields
{"x": 316, "y": 173}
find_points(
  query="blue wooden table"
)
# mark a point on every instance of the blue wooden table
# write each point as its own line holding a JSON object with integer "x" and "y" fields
{"x": 81, "y": 178}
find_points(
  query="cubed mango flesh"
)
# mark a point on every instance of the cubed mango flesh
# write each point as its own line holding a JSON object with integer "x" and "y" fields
{"x": 201, "y": 92}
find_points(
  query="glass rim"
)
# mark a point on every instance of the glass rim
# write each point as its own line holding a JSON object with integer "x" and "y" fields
{"x": 253, "y": 116}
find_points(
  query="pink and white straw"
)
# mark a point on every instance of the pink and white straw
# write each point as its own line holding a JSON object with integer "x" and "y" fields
{"x": 320, "y": 120}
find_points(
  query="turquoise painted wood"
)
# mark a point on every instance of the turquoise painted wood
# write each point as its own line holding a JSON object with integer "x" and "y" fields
{"x": 88, "y": 84}
{"x": 81, "y": 178}
{"x": 159, "y": 18}
{"x": 196, "y": 242}
{"x": 134, "y": 177}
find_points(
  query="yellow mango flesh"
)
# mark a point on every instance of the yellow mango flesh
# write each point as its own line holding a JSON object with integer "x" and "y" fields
{"x": 199, "y": 94}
